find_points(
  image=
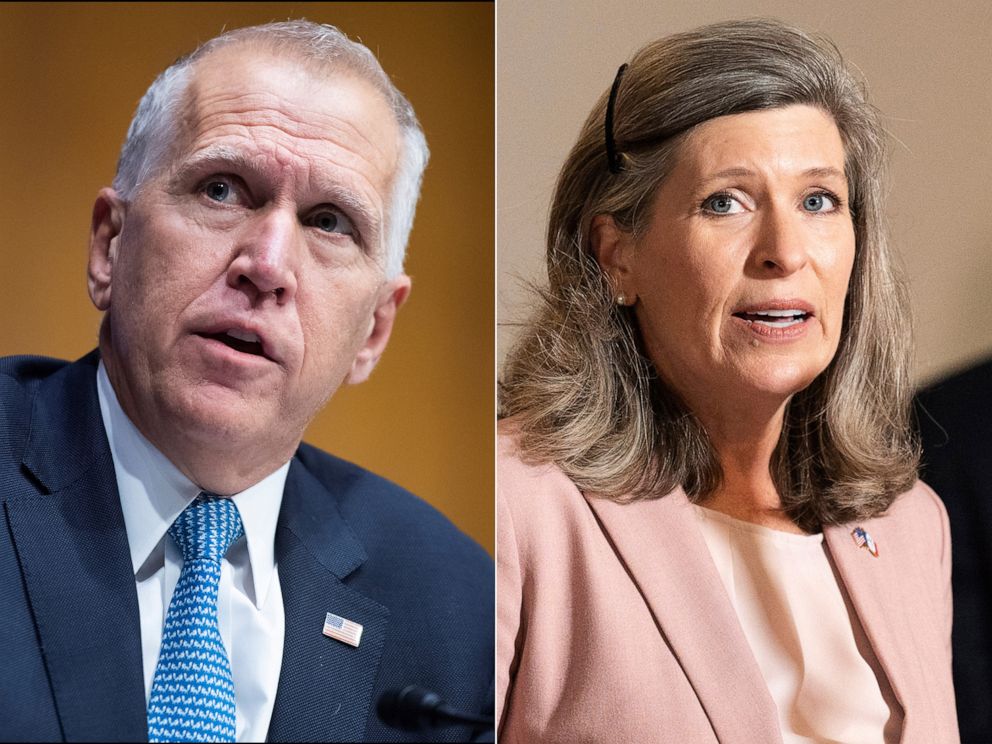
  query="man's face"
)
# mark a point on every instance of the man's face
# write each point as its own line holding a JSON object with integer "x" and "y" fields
{"x": 244, "y": 282}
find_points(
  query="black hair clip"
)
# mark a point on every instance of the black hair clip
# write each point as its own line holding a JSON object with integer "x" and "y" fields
{"x": 612, "y": 158}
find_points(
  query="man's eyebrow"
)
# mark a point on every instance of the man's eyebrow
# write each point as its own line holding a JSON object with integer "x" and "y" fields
{"x": 220, "y": 156}
{"x": 350, "y": 202}
{"x": 223, "y": 157}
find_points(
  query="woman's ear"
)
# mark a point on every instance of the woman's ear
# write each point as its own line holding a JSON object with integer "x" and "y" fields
{"x": 612, "y": 248}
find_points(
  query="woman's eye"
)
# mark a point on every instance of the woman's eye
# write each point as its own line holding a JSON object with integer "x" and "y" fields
{"x": 332, "y": 221}
{"x": 722, "y": 204}
{"x": 819, "y": 203}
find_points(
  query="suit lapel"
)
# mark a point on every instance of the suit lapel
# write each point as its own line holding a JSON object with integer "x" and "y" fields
{"x": 72, "y": 547}
{"x": 880, "y": 590}
{"x": 325, "y": 686}
{"x": 666, "y": 555}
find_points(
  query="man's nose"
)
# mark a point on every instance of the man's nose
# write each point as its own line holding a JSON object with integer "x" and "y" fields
{"x": 782, "y": 242}
{"x": 268, "y": 256}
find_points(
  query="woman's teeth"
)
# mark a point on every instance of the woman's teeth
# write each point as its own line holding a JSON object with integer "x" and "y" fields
{"x": 775, "y": 318}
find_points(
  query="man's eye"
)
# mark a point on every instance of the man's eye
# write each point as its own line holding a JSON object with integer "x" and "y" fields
{"x": 722, "y": 204}
{"x": 331, "y": 221}
{"x": 217, "y": 190}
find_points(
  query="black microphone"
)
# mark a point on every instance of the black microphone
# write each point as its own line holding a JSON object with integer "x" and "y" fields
{"x": 416, "y": 709}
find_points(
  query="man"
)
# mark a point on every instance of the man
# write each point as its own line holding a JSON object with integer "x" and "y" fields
{"x": 953, "y": 415}
{"x": 174, "y": 564}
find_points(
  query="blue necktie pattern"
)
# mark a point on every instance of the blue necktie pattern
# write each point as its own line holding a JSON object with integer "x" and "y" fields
{"x": 192, "y": 696}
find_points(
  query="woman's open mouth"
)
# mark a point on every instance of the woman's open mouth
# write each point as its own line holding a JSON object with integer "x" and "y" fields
{"x": 775, "y": 318}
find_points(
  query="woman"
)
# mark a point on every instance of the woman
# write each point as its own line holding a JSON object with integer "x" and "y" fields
{"x": 710, "y": 526}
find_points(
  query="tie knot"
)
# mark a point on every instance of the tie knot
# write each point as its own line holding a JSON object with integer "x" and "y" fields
{"x": 207, "y": 527}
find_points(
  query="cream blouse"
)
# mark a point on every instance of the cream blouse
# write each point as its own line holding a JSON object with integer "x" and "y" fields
{"x": 809, "y": 645}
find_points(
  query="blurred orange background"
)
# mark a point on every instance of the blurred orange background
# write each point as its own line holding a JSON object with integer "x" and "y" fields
{"x": 71, "y": 75}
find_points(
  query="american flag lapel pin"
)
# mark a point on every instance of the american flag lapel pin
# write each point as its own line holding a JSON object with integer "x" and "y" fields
{"x": 863, "y": 540}
{"x": 342, "y": 630}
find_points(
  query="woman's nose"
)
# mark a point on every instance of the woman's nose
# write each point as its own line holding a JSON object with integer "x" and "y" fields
{"x": 782, "y": 246}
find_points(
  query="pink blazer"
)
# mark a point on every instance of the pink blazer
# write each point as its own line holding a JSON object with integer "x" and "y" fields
{"x": 614, "y": 625}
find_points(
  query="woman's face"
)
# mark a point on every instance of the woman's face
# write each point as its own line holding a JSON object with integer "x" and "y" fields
{"x": 741, "y": 276}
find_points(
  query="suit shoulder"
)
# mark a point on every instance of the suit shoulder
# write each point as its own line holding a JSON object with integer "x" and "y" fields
{"x": 20, "y": 376}
{"x": 535, "y": 500}
{"x": 380, "y": 511}
{"x": 920, "y": 501}
{"x": 525, "y": 482}
{"x": 20, "y": 379}
{"x": 919, "y": 517}
{"x": 337, "y": 472}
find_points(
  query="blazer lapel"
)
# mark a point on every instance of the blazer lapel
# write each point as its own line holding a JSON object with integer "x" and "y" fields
{"x": 325, "y": 686}
{"x": 880, "y": 590}
{"x": 667, "y": 557}
{"x": 72, "y": 547}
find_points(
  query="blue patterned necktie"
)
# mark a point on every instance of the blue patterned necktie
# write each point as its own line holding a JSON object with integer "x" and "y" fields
{"x": 193, "y": 692}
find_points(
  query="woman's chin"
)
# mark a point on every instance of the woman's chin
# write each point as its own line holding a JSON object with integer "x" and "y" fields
{"x": 777, "y": 382}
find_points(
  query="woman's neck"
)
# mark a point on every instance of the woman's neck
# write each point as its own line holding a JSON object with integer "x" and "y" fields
{"x": 745, "y": 445}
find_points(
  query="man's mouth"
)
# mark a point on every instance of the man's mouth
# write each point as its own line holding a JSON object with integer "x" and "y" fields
{"x": 243, "y": 341}
{"x": 775, "y": 318}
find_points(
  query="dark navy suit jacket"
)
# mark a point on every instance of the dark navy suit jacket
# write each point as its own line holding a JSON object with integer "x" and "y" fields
{"x": 347, "y": 542}
{"x": 955, "y": 418}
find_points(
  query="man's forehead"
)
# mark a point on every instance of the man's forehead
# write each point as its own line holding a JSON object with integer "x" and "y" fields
{"x": 248, "y": 84}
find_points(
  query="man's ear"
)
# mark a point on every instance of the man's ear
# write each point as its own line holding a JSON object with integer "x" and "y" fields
{"x": 105, "y": 230}
{"x": 392, "y": 295}
{"x": 613, "y": 249}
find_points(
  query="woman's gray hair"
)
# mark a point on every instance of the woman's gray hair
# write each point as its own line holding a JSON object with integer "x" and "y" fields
{"x": 155, "y": 126}
{"x": 578, "y": 383}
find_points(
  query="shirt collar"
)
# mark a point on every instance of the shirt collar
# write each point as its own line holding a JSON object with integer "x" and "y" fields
{"x": 154, "y": 492}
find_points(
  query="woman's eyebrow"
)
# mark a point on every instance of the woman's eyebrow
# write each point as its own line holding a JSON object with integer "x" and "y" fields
{"x": 824, "y": 171}
{"x": 735, "y": 172}
{"x": 738, "y": 172}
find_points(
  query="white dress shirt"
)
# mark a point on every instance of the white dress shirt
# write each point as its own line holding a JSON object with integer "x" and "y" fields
{"x": 250, "y": 613}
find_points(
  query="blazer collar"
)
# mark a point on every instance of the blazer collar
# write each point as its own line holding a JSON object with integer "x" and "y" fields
{"x": 66, "y": 437}
{"x": 666, "y": 555}
{"x": 880, "y": 589}
{"x": 325, "y": 686}
{"x": 72, "y": 547}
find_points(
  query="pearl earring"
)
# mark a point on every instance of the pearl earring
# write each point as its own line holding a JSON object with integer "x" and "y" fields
{"x": 621, "y": 300}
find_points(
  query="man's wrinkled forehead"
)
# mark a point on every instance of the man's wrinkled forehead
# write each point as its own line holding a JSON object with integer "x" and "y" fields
{"x": 260, "y": 80}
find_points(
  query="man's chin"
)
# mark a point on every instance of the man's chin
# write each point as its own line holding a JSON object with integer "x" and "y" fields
{"x": 223, "y": 418}
{"x": 225, "y": 442}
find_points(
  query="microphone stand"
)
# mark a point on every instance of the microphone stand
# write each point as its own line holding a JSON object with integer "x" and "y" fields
{"x": 418, "y": 710}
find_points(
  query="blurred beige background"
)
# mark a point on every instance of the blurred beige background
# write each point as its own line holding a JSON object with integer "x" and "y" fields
{"x": 71, "y": 75}
{"x": 929, "y": 66}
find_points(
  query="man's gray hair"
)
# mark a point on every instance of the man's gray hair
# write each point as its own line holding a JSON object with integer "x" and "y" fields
{"x": 156, "y": 122}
